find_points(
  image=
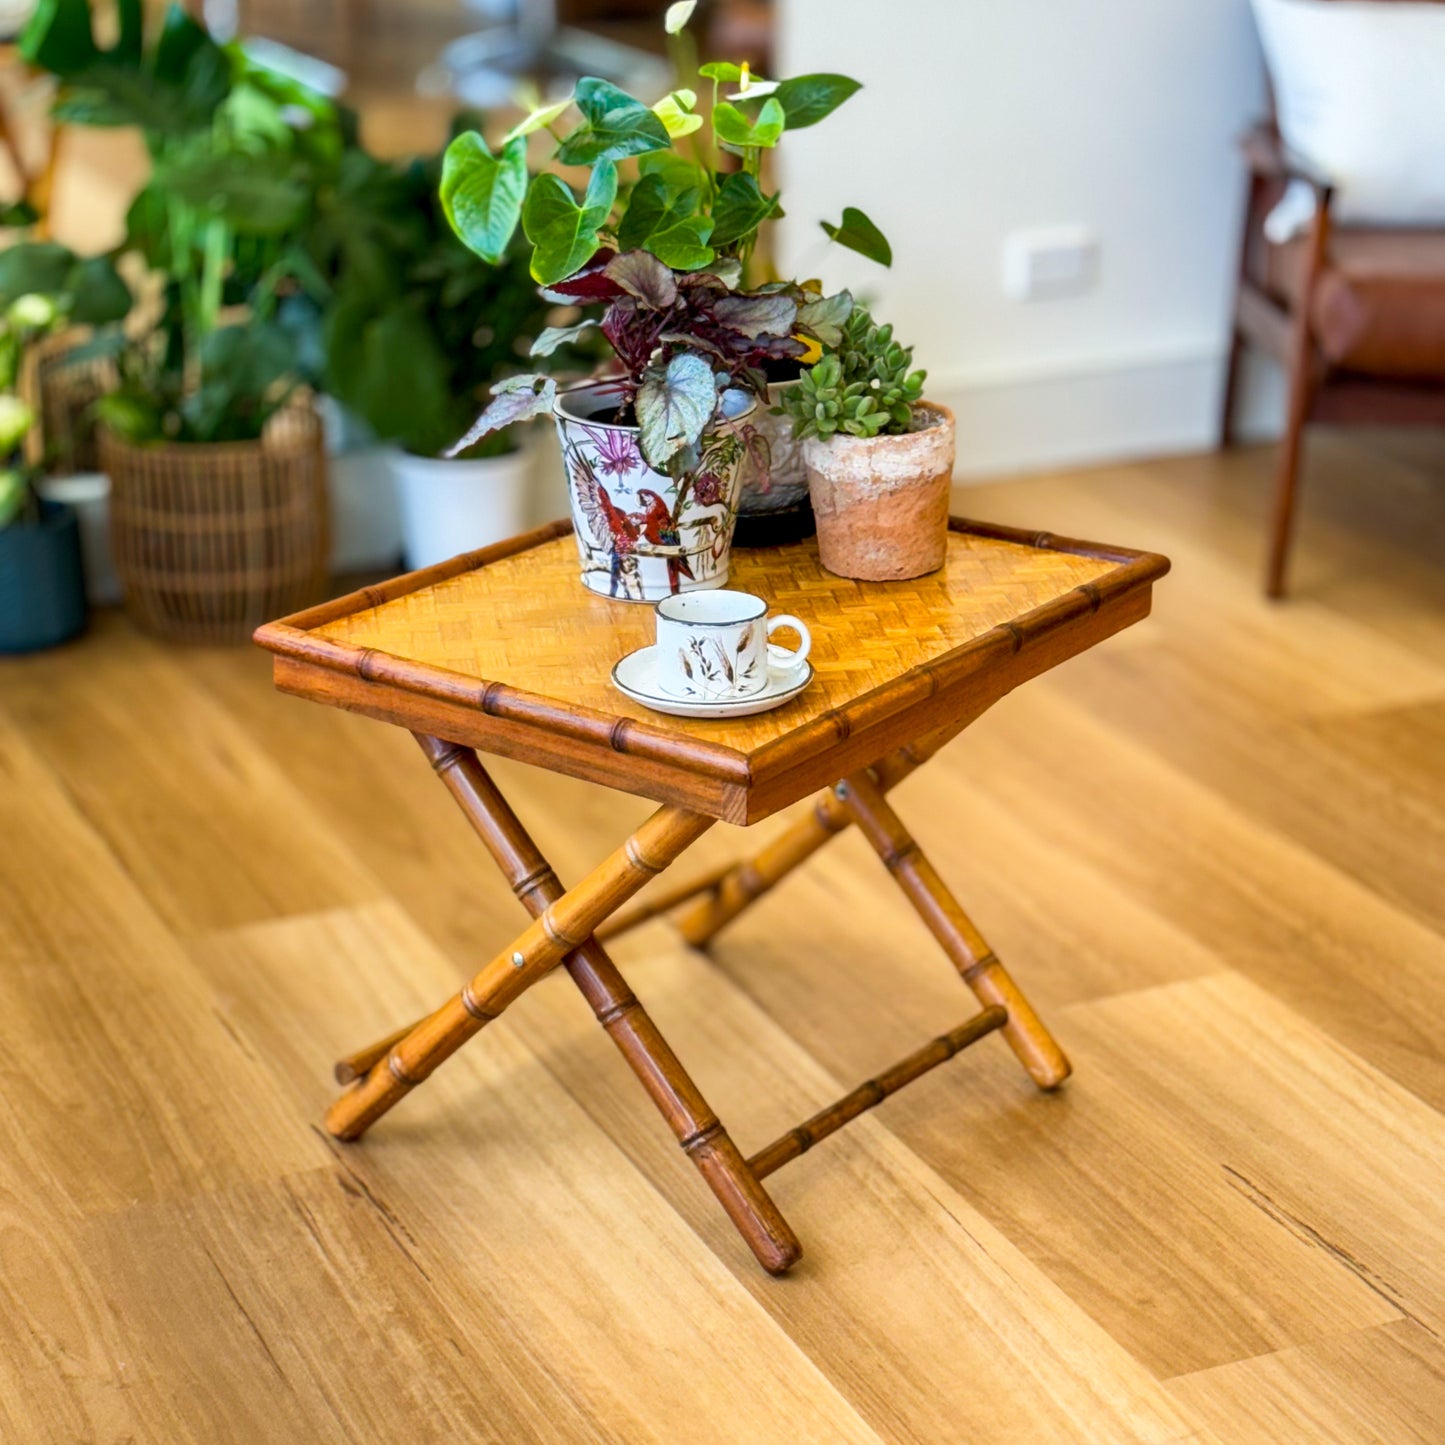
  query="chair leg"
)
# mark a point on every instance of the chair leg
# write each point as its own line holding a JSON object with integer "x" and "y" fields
{"x": 1230, "y": 398}
{"x": 697, "y": 1128}
{"x": 952, "y": 927}
{"x": 1287, "y": 484}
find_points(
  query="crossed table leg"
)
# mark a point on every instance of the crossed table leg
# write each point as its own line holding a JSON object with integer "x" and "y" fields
{"x": 568, "y": 925}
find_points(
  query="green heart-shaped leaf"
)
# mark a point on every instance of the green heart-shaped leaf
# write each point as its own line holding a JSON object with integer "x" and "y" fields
{"x": 482, "y": 193}
{"x": 740, "y": 208}
{"x": 859, "y": 234}
{"x": 615, "y": 126}
{"x": 674, "y": 407}
{"x": 538, "y": 119}
{"x": 808, "y": 98}
{"x": 734, "y": 128}
{"x": 564, "y": 235}
{"x": 667, "y": 223}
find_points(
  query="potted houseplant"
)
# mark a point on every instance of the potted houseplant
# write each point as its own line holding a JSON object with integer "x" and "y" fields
{"x": 879, "y": 458}
{"x": 417, "y": 328}
{"x": 43, "y": 287}
{"x": 218, "y": 508}
{"x": 42, "y": 585}
{"x": 653, "y": 452}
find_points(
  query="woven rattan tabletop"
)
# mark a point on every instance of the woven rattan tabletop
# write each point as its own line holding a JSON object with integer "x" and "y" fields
{"x": 506, "y": 651}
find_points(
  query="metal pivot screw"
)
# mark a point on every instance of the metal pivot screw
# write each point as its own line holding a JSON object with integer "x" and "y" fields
{"x": 840, "y": 790}
{"x": 517, "y": 960}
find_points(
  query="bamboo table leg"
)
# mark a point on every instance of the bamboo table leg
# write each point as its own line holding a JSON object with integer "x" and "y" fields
{"x": 627, "y": 1023}
{"x": 863, "y": 797}
{"x": 744, "y": 883}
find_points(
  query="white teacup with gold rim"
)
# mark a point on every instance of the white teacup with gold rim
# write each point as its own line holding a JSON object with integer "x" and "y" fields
{"x": 716, "y": 646}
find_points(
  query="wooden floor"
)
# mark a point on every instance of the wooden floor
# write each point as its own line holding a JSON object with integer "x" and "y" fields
{"x": 1213, "y": 850}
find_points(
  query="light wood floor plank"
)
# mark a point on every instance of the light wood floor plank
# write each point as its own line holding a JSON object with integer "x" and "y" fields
{"x": 542, "y": 1243}
{"x": 200, "y": 819}
{"x": 121, "y": 1082}
{"x": 1210, "y": 849}
{"x": 1384, "y": 1386}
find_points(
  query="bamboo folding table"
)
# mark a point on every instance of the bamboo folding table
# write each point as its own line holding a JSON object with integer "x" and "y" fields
{"x": 503, "y": 651}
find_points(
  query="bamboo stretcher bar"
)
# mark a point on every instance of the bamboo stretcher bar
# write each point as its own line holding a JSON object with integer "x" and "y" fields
{"x": 869, "y": 1095}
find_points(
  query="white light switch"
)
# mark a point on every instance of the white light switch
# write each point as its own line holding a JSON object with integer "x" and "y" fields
{"x": 1040, "y": 265}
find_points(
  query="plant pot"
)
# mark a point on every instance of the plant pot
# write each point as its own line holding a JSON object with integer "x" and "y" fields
{"x": 456, "y": 506}
{"x": 42, "y": 587}
{"x": 775, "y": 509}
{"x": 882, "y": 502}
{"x": 643, "y": 535}
{"x": 89, "y": 494}
{"x": 212, "y": 540}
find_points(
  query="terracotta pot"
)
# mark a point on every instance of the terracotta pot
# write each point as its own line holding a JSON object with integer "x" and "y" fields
{"x": 882, "y": 502}
{"x": 642, "y": 535}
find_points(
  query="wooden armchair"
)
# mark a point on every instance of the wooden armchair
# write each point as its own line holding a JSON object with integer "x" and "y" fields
{"x": 1355, "y": 316}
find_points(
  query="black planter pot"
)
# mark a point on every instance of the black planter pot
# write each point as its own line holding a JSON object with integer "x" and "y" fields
{"x": 42, "y": 589}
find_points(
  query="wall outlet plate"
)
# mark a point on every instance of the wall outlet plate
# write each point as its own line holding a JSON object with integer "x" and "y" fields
{"x": 1048, "y": 263}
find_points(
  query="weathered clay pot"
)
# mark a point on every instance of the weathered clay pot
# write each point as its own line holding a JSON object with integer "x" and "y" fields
{"x": 882, "y": 502}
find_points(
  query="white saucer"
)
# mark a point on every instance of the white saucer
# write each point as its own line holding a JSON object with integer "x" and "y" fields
{"x": 636, "y": 677}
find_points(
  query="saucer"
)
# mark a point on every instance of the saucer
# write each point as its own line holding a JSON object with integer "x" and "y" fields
{"x": 636, "y": 677}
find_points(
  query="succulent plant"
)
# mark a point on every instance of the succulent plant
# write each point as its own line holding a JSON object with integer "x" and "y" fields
{"x": 861, "y": 387}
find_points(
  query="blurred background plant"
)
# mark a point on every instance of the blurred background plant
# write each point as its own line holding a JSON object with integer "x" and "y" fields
{"x": 242, "y": 160}
{"x": 416, "y": 326}
{"x": 44, "y": 288}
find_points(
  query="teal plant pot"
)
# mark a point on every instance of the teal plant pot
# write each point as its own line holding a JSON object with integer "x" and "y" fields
{"x": 42, "y": 586}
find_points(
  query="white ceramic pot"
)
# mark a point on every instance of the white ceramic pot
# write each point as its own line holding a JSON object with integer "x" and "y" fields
{"x": 89, "y": 494}
{"x": 457, "y": 506}
{"x": 643, "y": 535}
{"x": 786, "y": 482}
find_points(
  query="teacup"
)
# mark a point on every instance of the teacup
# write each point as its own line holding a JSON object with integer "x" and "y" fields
{"x": 712, "y": 646}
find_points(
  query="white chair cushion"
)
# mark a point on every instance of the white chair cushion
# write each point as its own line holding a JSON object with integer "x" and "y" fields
{"x": 1359, "y": 90}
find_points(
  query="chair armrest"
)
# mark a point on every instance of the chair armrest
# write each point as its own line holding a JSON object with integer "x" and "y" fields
{"x": 1267, "y": 155}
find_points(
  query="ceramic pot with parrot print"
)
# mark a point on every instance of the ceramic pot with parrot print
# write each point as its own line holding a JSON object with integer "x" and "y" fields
{"x": 643, "y": 535}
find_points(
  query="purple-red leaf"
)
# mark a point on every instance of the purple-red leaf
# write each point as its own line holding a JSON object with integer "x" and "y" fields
{"x": 642, "y": 275}
{"x": 590, "y": 283}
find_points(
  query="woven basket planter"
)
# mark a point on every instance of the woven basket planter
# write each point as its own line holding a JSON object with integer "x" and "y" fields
{"x": 210, "y": 541}
{"x": 63, "y": 389}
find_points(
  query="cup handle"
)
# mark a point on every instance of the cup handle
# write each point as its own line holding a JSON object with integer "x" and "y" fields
{"x": 779, "y": 658}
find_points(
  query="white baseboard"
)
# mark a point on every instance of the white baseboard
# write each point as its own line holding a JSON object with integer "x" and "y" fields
{"x": 1099, "y": 412}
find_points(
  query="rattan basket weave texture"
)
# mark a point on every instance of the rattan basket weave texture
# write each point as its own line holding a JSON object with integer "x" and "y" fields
{"x": 210, "y": 541}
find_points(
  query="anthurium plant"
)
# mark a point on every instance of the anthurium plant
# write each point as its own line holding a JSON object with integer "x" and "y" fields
{"x": 665, "y": 247}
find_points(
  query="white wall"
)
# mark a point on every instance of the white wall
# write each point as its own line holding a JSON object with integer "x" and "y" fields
{"x": 983, "y": 117}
